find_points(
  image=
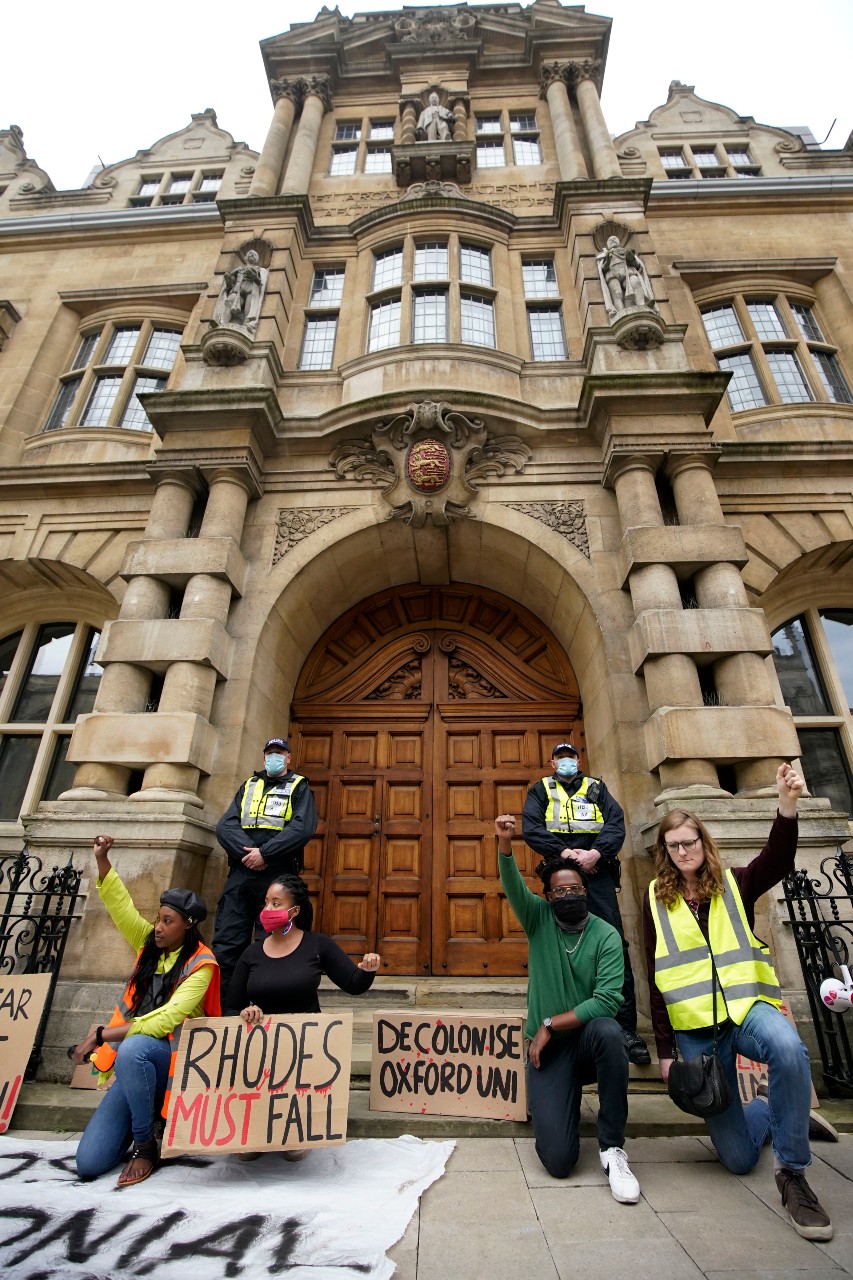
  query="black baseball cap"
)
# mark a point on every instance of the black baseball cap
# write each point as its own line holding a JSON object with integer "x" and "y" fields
{"x": 187, "y": 901}
{"x": 564, "y": 746}
{"x": 281, "y": 743}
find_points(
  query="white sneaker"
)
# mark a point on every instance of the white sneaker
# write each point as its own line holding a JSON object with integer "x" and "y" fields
{"x": 623, "y": 1184}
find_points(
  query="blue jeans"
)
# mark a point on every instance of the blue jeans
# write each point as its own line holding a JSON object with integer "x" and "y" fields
{"x": 739, "y": 1133}
{"x": 129, "y": 1108}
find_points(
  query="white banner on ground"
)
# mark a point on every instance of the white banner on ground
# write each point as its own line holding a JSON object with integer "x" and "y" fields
{"x": 330, "y": 1216}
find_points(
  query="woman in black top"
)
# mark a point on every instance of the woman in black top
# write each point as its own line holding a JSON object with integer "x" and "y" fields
{"x": 282, "y": 974}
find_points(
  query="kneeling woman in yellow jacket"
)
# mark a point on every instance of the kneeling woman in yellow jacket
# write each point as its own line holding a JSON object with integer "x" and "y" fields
{"x": 176, "y": 977}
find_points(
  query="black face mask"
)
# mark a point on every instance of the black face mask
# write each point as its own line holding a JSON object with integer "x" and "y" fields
{"x": 570, "y": 912}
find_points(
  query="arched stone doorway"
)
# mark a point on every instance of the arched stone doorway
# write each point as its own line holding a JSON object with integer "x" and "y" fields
{"x": 420, "y": 714}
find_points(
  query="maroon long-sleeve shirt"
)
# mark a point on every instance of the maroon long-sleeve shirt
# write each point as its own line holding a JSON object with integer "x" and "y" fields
{"x": 775, "y": 861}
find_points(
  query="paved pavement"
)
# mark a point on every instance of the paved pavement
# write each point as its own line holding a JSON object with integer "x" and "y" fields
{"x": 497, "y": 1215}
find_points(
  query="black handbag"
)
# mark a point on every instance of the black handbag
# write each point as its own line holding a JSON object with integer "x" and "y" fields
{"x": 701, "y": 1087}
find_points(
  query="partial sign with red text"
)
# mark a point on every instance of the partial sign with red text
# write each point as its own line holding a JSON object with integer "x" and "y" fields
{"x": 22, "y": 1000}
{"x": 281, "y": 1085}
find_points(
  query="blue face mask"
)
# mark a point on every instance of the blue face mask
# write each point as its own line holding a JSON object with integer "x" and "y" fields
{"x": 274, "y": 765}
{"x": 567, "y": 767}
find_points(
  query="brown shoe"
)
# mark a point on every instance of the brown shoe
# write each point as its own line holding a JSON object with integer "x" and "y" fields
{"x": 295, "y": 1155}
{"x": 808, "y": 1217}
{"x": 144, "y": 1159}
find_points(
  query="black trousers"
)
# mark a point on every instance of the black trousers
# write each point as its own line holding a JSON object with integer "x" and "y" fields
{"x": 237, "y": 916}
{"x": 603, "y": 902}
{"x": 596, "y": 1052}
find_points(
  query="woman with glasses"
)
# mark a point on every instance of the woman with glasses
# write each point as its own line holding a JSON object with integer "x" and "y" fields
{"x": 574, "y": 990}
{"x": 698, "y": 920}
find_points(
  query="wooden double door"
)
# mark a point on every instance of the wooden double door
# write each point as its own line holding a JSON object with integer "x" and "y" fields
{"x": 422, "y": 714}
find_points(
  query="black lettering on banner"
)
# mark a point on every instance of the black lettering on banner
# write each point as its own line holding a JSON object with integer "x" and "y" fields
{"x": 330, "y": 1137}
{"x": 464, "y": 1076}
{"x": 439, "y": 1040}
{"x": 421, "y": 1048}
{"x": 27, "y": 1158}
{"x": 304, "y": 1055}
{"x": 447, "y": 1074}
{"x": 38, "y": 1218}
{"x": 294, "y": 1116}
{"x": 75, "y": 1226}
{"x": 388, "y": 1079}
{"x": 16, "y": 1011}
{"x": 478, "y": 1041}
{"x": 276, "y": 1081}
{"x": 191, "y": 1062}
{"x": 507, "y": 1036}
{"x": 273, "y": 1113}
{"x": 141, "y": 1242}
{"x": 387, "y": 1028}
{"x": 288, "y": 1240}
{"x": 233, "y": 1057}
{"x": 231, "y": 1242}
{"x": 64, "y": 1164}
{"x": 327, "y": 1084}
{"x": 253, "y": 1035}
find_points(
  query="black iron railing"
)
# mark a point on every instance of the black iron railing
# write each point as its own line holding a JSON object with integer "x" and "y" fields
{"x": 821, "y": 912}
{"x": 36, "y": 911}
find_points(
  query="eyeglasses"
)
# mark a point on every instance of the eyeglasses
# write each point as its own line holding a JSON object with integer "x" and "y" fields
{"x": 687, "y": 845}
{"x": 567, "y": 891}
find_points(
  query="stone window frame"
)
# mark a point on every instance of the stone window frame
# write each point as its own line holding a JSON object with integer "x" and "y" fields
{"x": 455, "y": 286}
{"x": 792, "y": 344}
{"x": 834, "y": 722}
{"x": 88, "y": 368}
{"x": 52, "y": 734}
{"x": 694, "y": 162}
{"x": 496, "y": 147}
{"x": 321, "y": 318}
{"x": 162, "y": 183}
{"x": 362, "y": 140}
{"x": 547, "y": 302}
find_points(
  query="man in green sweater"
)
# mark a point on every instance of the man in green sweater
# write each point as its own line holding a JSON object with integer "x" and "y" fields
{"x": 576, "y": 972}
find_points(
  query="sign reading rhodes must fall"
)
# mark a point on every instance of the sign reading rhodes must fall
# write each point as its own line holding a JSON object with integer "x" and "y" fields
{"x": 431, "y": 460}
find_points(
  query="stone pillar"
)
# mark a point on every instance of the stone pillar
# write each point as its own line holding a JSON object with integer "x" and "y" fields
{"x": 408, "y": 122}
{"x": 671, "y": 679}
{"x": 459, "y": 107}
{"x": 605, "y": 162}
{"x": 189, "y": 687}
{"x": 124, "y": 687}
{"x": 267, "y": 177}
{"x": 317, "y": 102}
{"x": 741, "y": 679}
{"x": 566, "y": 140}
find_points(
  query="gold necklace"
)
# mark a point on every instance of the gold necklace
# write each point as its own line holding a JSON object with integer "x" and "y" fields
{"x": 577, "y": 944}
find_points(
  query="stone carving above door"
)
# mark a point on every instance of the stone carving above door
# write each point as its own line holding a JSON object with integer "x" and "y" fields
{"x": 565, "y": 518}
{"x": 296, "y": 523}
{"x": 431, "y": 460}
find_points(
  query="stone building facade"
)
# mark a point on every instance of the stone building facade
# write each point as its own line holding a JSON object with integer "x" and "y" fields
{"x": 444, "y": 428}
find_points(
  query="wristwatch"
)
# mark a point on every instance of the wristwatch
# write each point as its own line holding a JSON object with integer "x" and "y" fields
{"x": 546, "y": 1022}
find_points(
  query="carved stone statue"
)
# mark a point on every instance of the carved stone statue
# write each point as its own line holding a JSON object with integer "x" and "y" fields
{"x": 434, "y": 122}
{"x": 624, "y": 278}
{"x": 239, "y": 303}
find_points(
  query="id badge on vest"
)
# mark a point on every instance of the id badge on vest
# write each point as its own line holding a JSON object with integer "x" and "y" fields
{"x": 582, "y": 811}
{"x": 274, "y": 804}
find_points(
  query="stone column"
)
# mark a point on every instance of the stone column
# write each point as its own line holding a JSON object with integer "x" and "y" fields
{"x": 566, "y": 140}
{"x": 189, "y": 686}
{"x": 605, "y": 162}
{"x": 267, "y": 177}
{"x": 459, "y": 107}
{"x": 317, "y": 102}
{"x": 124, "y": 687}
{"x": 408, "y": 122}
{"x": 741, "y": 679}
{"x": 671, "y": 679}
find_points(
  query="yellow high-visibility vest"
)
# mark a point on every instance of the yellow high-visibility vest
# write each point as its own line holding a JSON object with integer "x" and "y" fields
{"x": 567, "y": 813}
{"x": 683, "y": 961}
{"x": 270, "y": 808}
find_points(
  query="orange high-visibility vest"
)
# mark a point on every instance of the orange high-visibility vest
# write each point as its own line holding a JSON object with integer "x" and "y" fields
{"x": 104, "y": 1056}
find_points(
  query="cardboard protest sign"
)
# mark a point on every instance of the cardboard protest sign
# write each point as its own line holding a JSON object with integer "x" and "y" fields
{"x": 751, "y": 1074}
{"x": 449, "y": 1064}
{"x": 22, "y": 1001}
{"x": 282, "y": 1084}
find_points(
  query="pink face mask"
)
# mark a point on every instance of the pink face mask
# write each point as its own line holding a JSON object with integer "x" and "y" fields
{"x": 273, "y": 918}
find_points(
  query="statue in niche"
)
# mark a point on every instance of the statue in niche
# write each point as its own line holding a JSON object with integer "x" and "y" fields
{"x": 434, "y": 122}
{"x": 239, "y": 303}
{"x": 624, "y": 278}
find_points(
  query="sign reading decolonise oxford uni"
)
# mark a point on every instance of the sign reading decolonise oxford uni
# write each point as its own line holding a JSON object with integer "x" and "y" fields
{"x": 282, "y": 1084}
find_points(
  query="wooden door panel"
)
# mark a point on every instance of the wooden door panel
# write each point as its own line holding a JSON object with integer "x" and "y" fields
{"x": 463, "y": 749}
{"x": 405, "y": 750}
{"x": 359, "y": 751}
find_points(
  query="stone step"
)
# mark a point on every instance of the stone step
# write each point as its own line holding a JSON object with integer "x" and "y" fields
{"x": 57, "y": 1109}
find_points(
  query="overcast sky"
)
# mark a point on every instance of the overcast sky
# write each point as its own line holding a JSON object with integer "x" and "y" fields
{"x": 107, "y": 80}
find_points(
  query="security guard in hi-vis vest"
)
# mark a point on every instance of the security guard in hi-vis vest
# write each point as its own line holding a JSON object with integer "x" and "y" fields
{"x": 572, "y": 816}
{"x": 266, "y": 828}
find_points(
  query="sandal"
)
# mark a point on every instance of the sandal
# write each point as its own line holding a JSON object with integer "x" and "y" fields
{"x": 144, "y": 1159}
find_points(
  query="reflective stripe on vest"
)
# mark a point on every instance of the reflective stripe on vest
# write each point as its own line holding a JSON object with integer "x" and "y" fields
{"x": 267, "y": 808}
{"x": 683, "y": 972}
{"x": 104, "y": 1057}
{"x": 571, "y": 813}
